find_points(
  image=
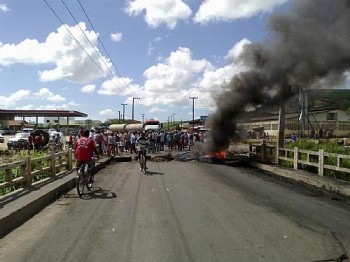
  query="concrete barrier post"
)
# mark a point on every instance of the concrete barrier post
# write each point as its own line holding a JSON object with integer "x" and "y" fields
{"x": 70, "y": 159}
{"x": 320, "y": 162}
{"x": 296, "y": 157}
{"x": 263, "y": 152}
{"x": 28, "y": 171}
{"x": 53, "y": 165}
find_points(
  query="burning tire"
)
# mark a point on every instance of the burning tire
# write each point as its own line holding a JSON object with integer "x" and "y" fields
{"x": 45, "y": 136}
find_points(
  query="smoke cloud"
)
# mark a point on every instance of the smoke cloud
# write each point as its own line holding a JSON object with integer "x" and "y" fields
{"x": 306, "y": 48}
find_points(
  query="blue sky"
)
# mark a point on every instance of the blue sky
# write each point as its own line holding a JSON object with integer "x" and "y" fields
{"x": 162, "y": 52}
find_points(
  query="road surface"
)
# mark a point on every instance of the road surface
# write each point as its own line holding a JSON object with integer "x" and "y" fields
{"x": 184, "y": 211}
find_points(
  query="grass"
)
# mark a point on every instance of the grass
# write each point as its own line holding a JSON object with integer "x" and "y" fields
{"x": 12, "y": 156}
{"x": 329, "y": 146}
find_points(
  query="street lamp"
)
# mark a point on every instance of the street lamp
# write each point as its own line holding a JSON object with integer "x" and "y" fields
{"x": 123, "y": 112}
{"x": 133, "y": 101}
{"x": 193, "y": 98}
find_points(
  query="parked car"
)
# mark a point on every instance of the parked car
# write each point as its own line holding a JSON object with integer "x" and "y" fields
{"x": 2, "y": 139}
{"x": 6, "y": 131}
{"x": 27, "y": 130}
{"x": 19, "y": 141}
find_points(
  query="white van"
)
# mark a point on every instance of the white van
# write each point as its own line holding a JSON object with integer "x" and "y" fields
{"x": 27, "y": 130}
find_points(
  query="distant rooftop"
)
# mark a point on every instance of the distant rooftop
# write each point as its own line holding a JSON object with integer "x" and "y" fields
{"x": 42, "y": 113}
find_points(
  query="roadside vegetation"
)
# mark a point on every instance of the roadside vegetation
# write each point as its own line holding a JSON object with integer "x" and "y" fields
{"x": 329, "y": 146}
{"x": 10, "y": 156}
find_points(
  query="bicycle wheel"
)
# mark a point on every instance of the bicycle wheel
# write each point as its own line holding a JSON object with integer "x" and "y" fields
{"x": 80, "y": 182}
{"x": 144, "y": 163}
{"x": 89, "y": 180}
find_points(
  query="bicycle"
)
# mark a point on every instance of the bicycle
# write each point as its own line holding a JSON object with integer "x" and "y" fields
{"x": 143, "y": 161}
{"x": 85, "y": 177}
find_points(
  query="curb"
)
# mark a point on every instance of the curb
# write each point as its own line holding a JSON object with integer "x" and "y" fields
{"x": 21, "y": 205}
{"x": 326, "y": 183}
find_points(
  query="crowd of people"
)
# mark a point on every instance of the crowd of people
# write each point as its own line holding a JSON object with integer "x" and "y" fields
{"x": 116, "y": 143}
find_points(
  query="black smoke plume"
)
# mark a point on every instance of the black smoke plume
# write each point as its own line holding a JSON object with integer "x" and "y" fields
{"x": 306, "y": 48}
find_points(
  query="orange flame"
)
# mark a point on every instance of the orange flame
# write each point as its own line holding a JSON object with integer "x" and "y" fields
{"x": 220, "y": 155}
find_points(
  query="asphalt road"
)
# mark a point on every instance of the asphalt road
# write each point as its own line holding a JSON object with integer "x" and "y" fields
{"x": 184, "y": 211}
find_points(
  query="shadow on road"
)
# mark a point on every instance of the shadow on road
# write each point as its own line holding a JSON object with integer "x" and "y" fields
{"x": 98, "y": 193}
{"x": 152, "y": 173}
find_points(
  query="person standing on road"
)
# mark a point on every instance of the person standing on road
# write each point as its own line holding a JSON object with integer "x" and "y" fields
{"x": 142, "y": 143}
{"x": 133, "y": 140}
{"x": 111, "y": 144}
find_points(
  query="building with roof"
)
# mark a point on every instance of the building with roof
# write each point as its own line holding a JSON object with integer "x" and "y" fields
{"x": 63, "y": 117}
{"x": 333, "y": 120}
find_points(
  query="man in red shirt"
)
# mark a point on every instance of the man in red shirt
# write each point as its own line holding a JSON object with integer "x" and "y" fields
{"x": 37, "y": 142}
{"x": 84, "y": 149}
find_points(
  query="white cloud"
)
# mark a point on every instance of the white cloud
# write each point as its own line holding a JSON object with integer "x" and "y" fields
{"x": 177, "y": 72}
{"x": 27, "y": 107}
{"x": 67, "y": 106}
{"x": 56, "y": 98}
{"x": 29, "y": 51}
{"x": 160, "y": 12}
{"x": 4, "y": 8}
{"x": 117, "y": 37}
{"x": 43, "y": 94}
{"x": 72, "y": 104}
{"x": 8, "y": 101}
{"x": 88, "y": 89}
{"x": 158, "y": 39}
{"x": 156, "y": 109}
{"x": 236, "y": 50}
{"x": 107, "y": 112}
{"x": 150, "y": 49}
{"x": 226, "y": 10}
{"x": 70, "y": 61}
{"x": 118, "y": 86}
{"x": 46, "y": 94}
{"x": 173, "y": 80}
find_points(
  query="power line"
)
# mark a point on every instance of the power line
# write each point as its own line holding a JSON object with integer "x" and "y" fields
{"x": 93, "y": 46}
{"x": 81, "y": 46}
{"x": 53, "y": 11}
{"x": 99, "y": 39}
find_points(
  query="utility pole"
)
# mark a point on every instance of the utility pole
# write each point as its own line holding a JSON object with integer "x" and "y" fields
{"x": 123, "y": 112}
{"x": 193, "y": 98}
{"x": 304, "y": 115}
{"x": 143, "y": 118}
{"x": 133, "y": 101}
{"x": 173, "y": 114}
{"x": 119, "y": 117}
{"x": 168, "y": 123}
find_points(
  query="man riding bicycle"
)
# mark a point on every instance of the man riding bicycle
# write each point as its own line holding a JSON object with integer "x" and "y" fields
{"x": 142, "y": 143}
{"x": 85, "y": 149}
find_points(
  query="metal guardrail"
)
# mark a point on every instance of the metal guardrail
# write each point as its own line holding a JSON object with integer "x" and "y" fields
{"x": 319, "y": 159}
{"x": 21, "y": 174}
